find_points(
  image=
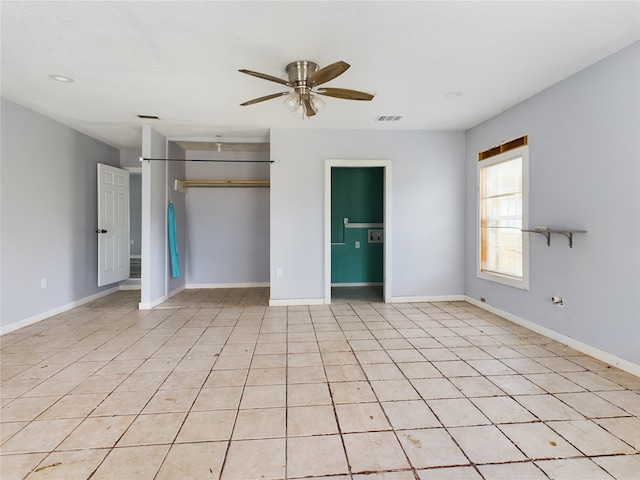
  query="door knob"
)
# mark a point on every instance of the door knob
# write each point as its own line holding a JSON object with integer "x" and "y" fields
{"x": 101, "y": 230}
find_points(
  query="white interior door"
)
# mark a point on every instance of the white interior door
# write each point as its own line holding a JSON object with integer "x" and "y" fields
{"x": 113, "y": 225}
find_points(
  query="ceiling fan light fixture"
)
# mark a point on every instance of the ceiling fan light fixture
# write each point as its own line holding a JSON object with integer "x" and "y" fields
{"x": 301, "y": 111}
{"x": 292, "y": 102}
{"x": 317, "y": 103}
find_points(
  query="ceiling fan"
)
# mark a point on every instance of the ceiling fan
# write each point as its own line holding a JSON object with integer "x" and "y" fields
{"x": 305, "y": 77}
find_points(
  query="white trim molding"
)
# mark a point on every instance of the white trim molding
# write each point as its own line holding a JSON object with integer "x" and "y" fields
{"x": 387, "y": 221}
{"x": 192, "y": 286}
{"x": 151, "y": 305}
{"x": 594, "y": 352}
{"x": 429, "y": 298}
{"x": 55, "y": 311}
{"x": 294, "y": 302}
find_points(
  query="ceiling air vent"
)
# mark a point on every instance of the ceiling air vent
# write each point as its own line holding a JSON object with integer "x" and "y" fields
{"x": 388, "y": 118}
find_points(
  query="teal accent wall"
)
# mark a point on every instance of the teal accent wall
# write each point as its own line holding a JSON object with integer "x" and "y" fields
{"x": 357, "y": 193}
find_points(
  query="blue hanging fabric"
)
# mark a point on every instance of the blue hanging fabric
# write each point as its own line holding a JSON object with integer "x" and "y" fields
{"x": 173, "y": 242}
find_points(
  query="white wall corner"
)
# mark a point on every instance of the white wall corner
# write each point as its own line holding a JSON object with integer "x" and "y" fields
{"x": 151, "y": 305}
{"x": 176, "y": 291}
{"x": 594, "y": 352}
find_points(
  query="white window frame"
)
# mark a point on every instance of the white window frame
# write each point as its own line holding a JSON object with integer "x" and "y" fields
{"x": 523, "y": 282}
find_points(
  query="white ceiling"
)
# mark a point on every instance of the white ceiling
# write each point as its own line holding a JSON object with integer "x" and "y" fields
{"x": 179, "y": 60}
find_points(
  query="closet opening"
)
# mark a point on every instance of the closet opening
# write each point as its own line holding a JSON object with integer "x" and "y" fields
{"x": 226, "y": 214}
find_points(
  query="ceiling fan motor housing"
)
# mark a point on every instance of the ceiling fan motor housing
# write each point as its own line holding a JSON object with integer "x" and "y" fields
{"x": 299, "y": 73}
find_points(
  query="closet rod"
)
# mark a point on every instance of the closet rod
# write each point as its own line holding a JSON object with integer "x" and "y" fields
{"x": 182, "y": 185}
{"x": 203, "y": 160}
{"x": 225, "y": 183}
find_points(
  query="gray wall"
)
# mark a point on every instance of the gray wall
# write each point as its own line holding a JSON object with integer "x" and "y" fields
{"x": 227, "y": 233}
{"x": 48, "y": 213}
{"x": 130, "y": 158}
{"x": 427, "y": 207}
{"x": 584, "y": 173}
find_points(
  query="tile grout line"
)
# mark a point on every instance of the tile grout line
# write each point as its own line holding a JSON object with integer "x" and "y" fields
{"x": 226, "y": 453}
{"x": 333, "y": 404}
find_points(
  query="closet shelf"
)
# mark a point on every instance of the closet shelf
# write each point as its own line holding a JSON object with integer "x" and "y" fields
{"x": 182, "y": 185}
{"x": 363, "y": 225}
{"x": 546, "y": 231}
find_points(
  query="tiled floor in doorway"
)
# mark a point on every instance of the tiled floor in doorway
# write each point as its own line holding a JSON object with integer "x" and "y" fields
{"x": 369, "y": 293}
{"x": 215, "y": 384}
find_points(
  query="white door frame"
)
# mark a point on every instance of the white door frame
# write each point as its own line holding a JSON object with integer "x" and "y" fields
{"x": 328, "y": 165}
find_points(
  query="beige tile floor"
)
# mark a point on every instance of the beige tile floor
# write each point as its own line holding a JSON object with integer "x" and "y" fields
{"x": 215, "y": 384}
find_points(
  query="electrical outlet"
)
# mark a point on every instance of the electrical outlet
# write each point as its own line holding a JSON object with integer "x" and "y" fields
{"x": 357, "y": 244}
{"x": 278, "y": 272}
{"x": 43, "y": 283}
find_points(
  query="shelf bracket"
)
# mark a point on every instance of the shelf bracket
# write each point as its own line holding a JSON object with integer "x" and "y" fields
{"x": 547, "y": 233}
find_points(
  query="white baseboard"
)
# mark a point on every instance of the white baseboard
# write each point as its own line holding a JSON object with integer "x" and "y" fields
{"x": 129, "y": 287}
{"x": 55, "y": 311}
{"x": 431, "y": 298}
{"x": 192, "y": 286}
{"x": 320, "y": 301}
{"x": 594, "y": 352}
{"x": 158, "y": 301}
{"x": 291, "y": 302}
{"x": 150, "y": 305}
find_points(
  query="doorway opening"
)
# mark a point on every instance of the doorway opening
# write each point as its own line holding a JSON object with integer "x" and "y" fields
{"x": 133, "y": 282}
{"x": 135, "y": 222}
{"x": 357, "y": 230}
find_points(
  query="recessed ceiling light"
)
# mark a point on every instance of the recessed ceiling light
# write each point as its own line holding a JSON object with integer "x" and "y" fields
{"x": 452, "y": 95}
{"x": 61, "y": 78}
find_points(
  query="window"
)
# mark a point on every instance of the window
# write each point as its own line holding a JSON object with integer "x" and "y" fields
{"x": 503, "y": 213}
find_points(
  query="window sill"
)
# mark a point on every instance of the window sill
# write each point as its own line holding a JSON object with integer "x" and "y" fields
{"x": 519, "y": 283}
